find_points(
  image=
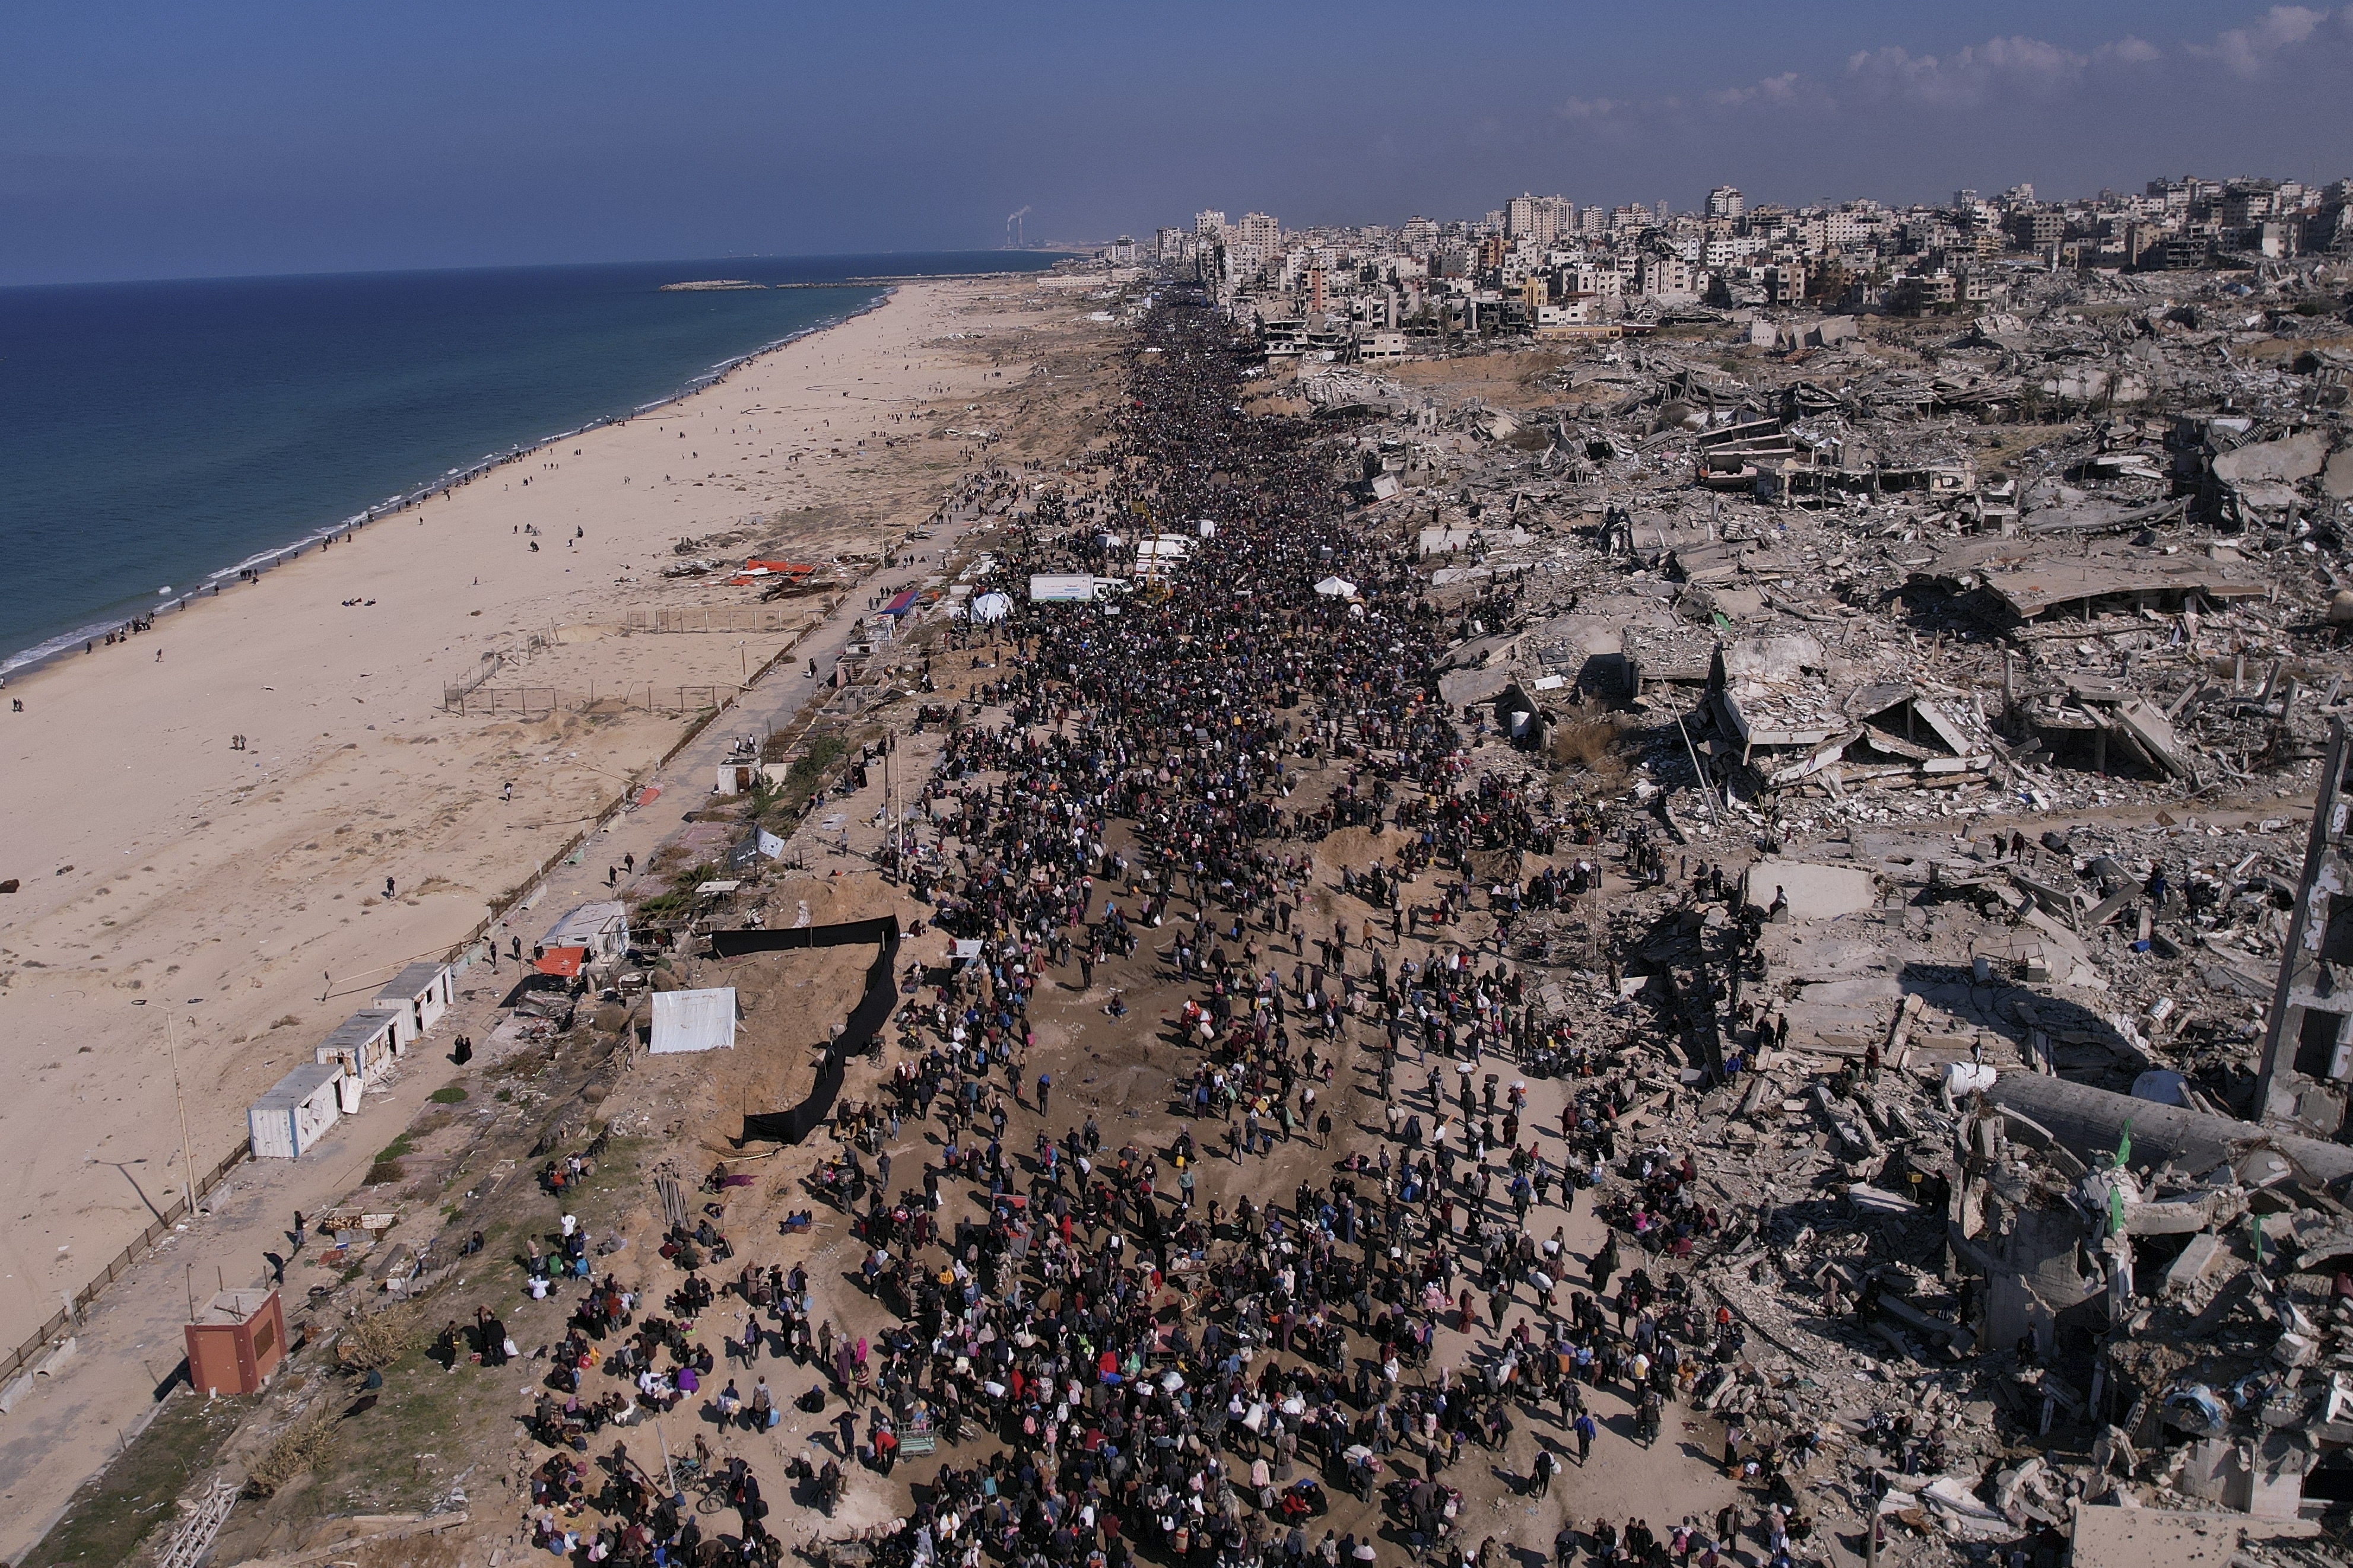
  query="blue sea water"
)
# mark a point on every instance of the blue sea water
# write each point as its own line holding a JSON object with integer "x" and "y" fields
{"x": 154, "y": 435}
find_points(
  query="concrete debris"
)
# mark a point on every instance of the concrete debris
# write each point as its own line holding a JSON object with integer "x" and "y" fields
{"x": 1955, "y": 707}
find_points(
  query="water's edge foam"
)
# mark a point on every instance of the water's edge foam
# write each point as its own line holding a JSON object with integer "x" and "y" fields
{"x": 42, "y": 654}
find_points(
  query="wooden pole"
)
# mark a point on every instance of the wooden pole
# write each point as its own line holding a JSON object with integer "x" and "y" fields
{"x": 187, "y": 1161}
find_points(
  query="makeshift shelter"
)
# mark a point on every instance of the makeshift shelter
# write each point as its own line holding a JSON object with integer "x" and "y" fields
{"x": 420, "y": 994}
{"x": 693, "y": 1020}
{"x": 991, "y": 608}
{"x": 601, "y": 928}
{"x": 1336, "y": 589}
{"x": 295, "y": 1113}
{"x": 563, "y": 962}
{"x": 365, "y": 1045}
{"x": 237, "y": 1342}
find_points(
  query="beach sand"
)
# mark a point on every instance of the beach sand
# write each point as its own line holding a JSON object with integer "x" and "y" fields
{"x": 241, "y": 893}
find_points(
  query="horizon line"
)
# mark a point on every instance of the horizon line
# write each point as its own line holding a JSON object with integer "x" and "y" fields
{"x": 1064, "y": 250}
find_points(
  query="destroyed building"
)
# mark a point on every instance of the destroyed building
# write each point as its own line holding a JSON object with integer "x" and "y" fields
{"x": 2002, "y": 666}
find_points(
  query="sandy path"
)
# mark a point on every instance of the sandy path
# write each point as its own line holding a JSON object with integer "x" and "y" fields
{"x": 245, "y": 889}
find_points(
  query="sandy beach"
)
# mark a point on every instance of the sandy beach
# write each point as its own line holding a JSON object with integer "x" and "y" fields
{"x": 254, "y": 893}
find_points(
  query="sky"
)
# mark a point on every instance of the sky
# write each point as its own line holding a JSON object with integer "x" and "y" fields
{"x": 243, "y": 137}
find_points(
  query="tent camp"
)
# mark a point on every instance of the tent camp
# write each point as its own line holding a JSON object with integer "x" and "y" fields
{"x": 694, "y": 1020}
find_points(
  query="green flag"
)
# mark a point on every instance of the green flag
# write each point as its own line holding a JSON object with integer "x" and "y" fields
{"x": 2117, "y": 1210}
{"x": 2124, "y": 1145}
{"x": 2255, "y": 1234}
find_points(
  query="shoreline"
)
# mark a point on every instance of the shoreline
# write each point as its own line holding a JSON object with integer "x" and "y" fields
{"x": 28, "y": 661}
{"x": 159, "y": 858}
{"x": 19, "y": 664}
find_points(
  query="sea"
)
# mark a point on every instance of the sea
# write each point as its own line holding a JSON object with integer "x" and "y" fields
{"x": 156, "y": 437}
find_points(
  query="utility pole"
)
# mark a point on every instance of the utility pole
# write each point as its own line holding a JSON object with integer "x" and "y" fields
{"x": 187, "y": 1161}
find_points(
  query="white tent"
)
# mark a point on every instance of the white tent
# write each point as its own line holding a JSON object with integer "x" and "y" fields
{"x": 1336, "y": 589}
{"x": 694, "y": 1020}
{"x": 992, "y": 606}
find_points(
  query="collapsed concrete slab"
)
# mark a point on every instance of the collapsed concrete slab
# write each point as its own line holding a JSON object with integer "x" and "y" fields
{"x": 2091, "y": 1121}
{"x": 1814, "y": 892}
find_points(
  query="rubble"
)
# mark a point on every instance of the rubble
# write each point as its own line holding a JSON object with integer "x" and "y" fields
{"x": 1979, "y": 686}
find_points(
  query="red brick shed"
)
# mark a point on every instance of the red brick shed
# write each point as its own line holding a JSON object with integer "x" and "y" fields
{"x": 237, "y": 1342}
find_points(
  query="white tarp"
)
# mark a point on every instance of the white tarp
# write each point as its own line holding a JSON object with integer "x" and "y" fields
{"x": 992, "y": 606}
{"x": 694, "y": 1020}
{"x": 1336, "y": 589}
{"x": 1048, "y": 588}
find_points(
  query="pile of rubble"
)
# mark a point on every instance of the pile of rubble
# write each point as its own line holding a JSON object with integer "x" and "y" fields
{"x": 2007, "y": 661}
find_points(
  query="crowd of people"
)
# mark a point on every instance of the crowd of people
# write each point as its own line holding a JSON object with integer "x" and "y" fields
{"x": 1141, "y": 1372}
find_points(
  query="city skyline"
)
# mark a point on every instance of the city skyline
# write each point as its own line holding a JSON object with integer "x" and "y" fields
{"x": 146, "y": 141}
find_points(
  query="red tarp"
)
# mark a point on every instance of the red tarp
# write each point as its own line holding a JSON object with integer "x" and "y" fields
{"x": 563, "y": 961}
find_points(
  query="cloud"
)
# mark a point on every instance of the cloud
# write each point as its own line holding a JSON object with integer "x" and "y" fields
{"x": 2247, "y": 51}
{"x": 2014, "y": 71}
{"x": 2127, "y": 51}
{"x": 1785, "y": 89}
{"x": 1978, "y": 72}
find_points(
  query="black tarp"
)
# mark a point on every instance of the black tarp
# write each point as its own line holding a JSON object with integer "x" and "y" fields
{"x": 865, "y": 1022}
{"x": 883, "y": 929}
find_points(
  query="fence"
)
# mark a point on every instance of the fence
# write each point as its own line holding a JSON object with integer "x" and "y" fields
{"x": 506, "y": 702}
{"x": 491, "y": 663}
{"x": 686, "y": 738}
{"x": 544, "y": 701}
{"x": 686, "y": 699}
{"x": 65, "y": 1318}
{"x": 715, "y": 618}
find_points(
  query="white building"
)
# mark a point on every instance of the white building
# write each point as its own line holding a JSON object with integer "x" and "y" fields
{"x": 420, "y": 994}
{"x": 1261, "y": 230}
{"x": 295, "y": 1113}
